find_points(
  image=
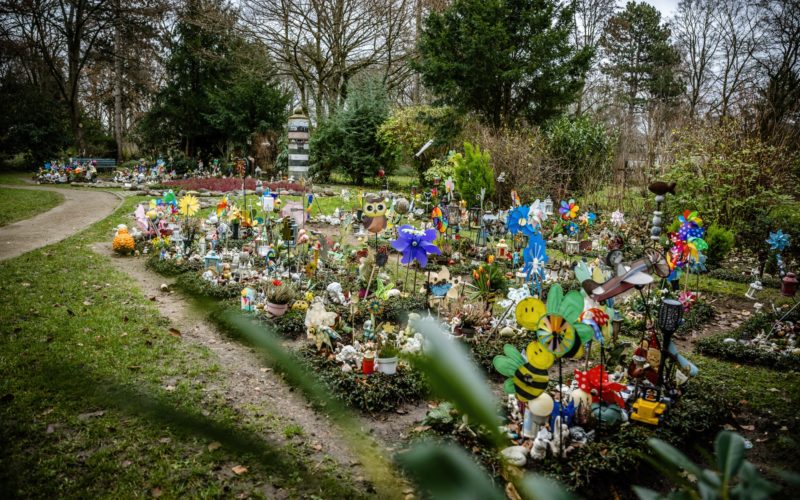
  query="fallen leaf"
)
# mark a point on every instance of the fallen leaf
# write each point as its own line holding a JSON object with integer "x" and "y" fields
{"x": 175, "y": 332}
{"x": 87, "y": 416}
{"x": 748, "y": 427}
{"x": 165, "y": 440}
{"x": 421, "y": 428}
{"x": 153, "y": 298}
{"x": 126, "y": 463}
{"x": 51, "y": 428}
{"x": 729, "y": 427}
{"x": 773, "y": 389}
{"x": 69, "y": 311}
{"x": 239, "y": 470}
{"x": 318, "y": 447}
{"x": 156, "y": 492}
{"x": 124, "y": 319}
{"x": 169, "y": 388}
{"x": 214, "y": 446}
{"x": 87, "y": 303}
{"x": 265, "y": 370}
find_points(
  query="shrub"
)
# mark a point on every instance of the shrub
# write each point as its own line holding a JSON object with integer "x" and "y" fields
{"x": 473, "y": 173}
{"x": 584, "y": 149}
{"x": 169, "y": 267}
{"x": 370, "y": 393}
{"x": 194, "y": 284}
{"x": 720, "y": 243}
{"x": 715, "y": 346}
{"x": 291, "y": 325}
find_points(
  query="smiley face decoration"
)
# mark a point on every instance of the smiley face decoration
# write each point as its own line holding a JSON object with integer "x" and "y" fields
{"x": 374, "y": 218}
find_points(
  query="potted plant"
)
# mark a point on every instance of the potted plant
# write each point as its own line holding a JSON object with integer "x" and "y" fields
{"x": 278, "y": 298}
{"x": 387, "y": 358}
{"x": 472, "y": 317}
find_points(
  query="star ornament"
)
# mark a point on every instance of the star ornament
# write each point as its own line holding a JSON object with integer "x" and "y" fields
{"x": 415, "y": 244}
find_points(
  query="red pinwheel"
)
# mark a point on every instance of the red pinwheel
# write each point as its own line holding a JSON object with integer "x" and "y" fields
{"x": 590, "y": 381}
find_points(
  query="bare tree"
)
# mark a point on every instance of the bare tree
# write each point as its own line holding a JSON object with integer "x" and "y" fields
{"x": 321, "y": 45}
{"x": 740, "y": 41}
{"x": 698, "y": 37}
{"x": 591, "y": 17}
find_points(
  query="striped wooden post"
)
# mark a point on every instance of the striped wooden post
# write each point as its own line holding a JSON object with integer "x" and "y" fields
{"x": 298, "y": 144}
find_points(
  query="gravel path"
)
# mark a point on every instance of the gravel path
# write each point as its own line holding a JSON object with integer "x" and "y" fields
{"x": 80, "y": 209}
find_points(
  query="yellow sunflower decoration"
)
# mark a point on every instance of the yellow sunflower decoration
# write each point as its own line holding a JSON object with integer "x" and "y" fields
{"x": 189, "y": 205}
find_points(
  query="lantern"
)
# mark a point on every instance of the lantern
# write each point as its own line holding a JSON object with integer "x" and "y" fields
{"x": 212, "y": 261}
{"x": 573, "y": 247}
{"x": 755, "y": 287}
{"x": 548, "y": 206}
{"x": 502, "y": 249}
{"x": 669, "y": 319}
{"x": 789, "y": 285}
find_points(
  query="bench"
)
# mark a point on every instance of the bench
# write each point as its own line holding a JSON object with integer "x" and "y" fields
{"x": 101, "y": 162}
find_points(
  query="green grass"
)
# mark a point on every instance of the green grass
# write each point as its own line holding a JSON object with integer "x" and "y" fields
{"x": 98, "y": 398}
{"x": 15, "y": 178}
{"x": 20, "y": 204}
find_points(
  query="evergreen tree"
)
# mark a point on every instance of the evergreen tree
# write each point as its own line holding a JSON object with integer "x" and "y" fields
{"x": 640, "y": 57}
{"x": 504, "y": 59}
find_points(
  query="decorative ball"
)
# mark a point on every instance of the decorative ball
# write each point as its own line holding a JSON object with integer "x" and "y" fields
{"x": 401, "y": 206}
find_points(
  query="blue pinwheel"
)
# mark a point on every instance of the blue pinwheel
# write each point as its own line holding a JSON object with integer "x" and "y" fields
{"x": 778, "y": 240}
{"x": 535, "y": 256}
{"x": 518, "y": 221}
{"x": 415, "y": 244}
{"x": 571, "y": 228}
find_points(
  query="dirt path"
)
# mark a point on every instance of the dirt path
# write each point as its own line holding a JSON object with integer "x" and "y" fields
{"x": 247, "y": 386}
{"x": 80, "y": 209}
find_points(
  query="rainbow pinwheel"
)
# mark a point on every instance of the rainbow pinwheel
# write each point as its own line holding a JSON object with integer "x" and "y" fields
{"x": 439, "y": 220}
{"x": 568, "y": 210}
{"x": 518, "y": 221}
{"x": 415, "y": 244}
{"x": 778, "y": 240}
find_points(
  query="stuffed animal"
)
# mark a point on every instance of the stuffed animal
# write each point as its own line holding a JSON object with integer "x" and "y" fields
{"x": 123, "y": 242}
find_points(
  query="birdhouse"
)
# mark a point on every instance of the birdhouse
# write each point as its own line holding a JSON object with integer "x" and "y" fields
{"x": 212, "y": 261}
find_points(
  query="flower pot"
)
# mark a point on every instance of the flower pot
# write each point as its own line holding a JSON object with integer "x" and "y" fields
{"x": 277, "y": 309}
{"x": 387, "y": 365}
{"x": 468, "y": 331}
{"x": 367, "y": 365}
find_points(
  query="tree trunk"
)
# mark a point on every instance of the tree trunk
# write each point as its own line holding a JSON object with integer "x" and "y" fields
{"x": 118, "y": 132}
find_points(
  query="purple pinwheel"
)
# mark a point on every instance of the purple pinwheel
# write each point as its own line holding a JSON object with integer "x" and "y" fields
{"x": 415, "y": 244}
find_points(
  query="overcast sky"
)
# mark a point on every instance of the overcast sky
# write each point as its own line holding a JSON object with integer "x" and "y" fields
{"x": 667, "y": 7}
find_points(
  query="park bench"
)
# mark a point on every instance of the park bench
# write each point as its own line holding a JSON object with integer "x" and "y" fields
{"x": 102, "y": 163}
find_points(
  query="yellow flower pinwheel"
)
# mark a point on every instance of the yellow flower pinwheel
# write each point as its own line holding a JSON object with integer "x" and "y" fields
{"x": 189, "y": 205}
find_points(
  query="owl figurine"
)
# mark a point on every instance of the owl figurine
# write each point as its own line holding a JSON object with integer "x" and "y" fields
{"x": 374, "y": 218}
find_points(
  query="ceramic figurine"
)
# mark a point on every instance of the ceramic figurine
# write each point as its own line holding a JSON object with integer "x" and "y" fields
{"x": 369, "y": 332}
{"x": 560, "y": 440}
{"x": 541, "y": 444}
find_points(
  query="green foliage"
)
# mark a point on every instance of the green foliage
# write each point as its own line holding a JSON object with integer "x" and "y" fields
{"x": 220, "y": 88}
{"x": 291, "y": 325}
{"x": 474, "y": 173}
{"x": 733, "y": 179}
{"x": 584, "y": 149}
{"x": 783, "y": 360}
{"x": 506, "y": 60}
{"x": 370, "y": 393}
{"x": 169, "y": 267}
{"x": 194, "y": 285}
{"x": 720, "y": 243}
{"x": 408, "y": 128}
{"x": 728, "y": 275}
{"x": 442, "y": 169}
{"x": 640, "y": 56}
{"x": 732, "y": 477}
{"x": 347, "y": 141}
{"x": 34, "y": 122}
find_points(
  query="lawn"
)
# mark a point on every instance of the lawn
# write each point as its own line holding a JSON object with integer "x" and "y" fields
{"x": 100, "y": 398}
{"x": 15, "y": 178}
{"x": 20, "y": 204}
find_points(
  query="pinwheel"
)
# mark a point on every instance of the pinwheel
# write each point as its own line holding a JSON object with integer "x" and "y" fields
{"x": 568, "y": 210}
{"x": 572, "y": 229}
{"x": 778, "y": 240}
{"x": 537, "y": 214}
{"x": 439, "y": 220}
{"x": 617, "y": 218}
{"x": 690, "y": 217}
{"x": 559, "y": 329}
{"x": 518, "y": 222}
{"x": 691, "y": 226}
{"x": 415, "y": 244}
{"x": 535, "y": 256}
{"x": 222, "y": 207}
{"x": 694, "y": 247}
{"x": 597, "y": 383}
{"x": 189, "y": 205}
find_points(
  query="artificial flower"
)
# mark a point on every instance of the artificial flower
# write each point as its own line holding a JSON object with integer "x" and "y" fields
{"x": 415, "y": 244}
{"x": 518, "y": 221}
{"x": 189, "y": 205}
{"x": 688, "y": 299}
